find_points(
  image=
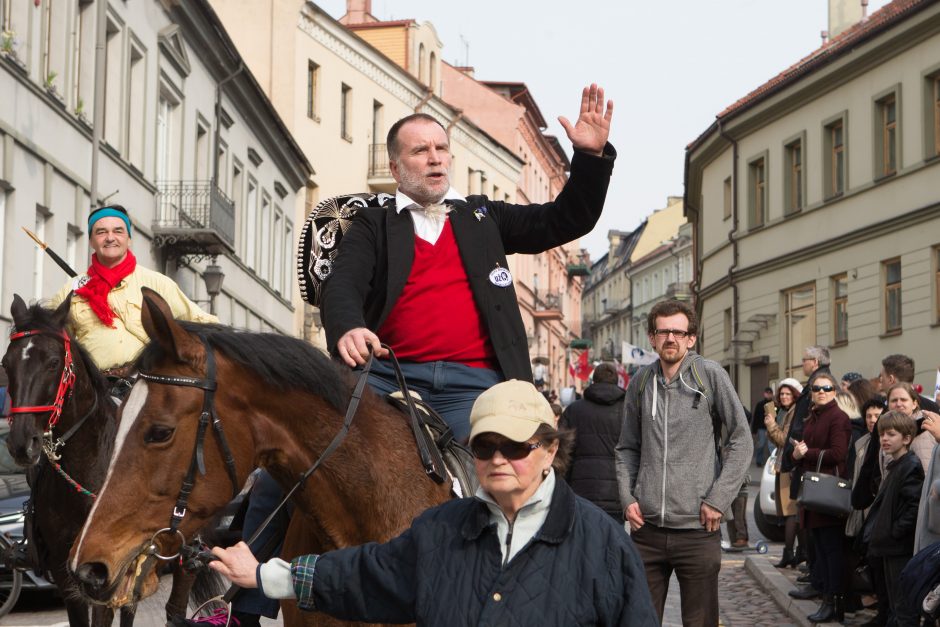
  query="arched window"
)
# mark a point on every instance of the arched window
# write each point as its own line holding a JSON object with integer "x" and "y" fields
{"x": 432, "y": 72}
{"x": 422, "y": 65}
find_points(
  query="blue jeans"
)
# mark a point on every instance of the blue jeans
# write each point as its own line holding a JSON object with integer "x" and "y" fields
{"x": 449, "y": 388}
{"x": 265, "y": 496}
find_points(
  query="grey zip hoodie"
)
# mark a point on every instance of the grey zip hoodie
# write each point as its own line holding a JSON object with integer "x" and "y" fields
{"x": 666, "y": 458}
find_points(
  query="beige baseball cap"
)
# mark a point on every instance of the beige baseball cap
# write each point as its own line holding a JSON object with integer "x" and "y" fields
{"x": 513, "y": 409}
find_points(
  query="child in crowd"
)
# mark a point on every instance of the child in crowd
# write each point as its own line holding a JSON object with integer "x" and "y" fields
{"x": 891, "y": 521}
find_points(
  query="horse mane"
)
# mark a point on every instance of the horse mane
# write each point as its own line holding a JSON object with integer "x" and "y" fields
{"x": 39, "y": 318}
{"x": 280, "y": 361}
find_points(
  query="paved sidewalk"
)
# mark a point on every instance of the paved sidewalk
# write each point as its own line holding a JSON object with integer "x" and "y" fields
{"x": 778, "y": 581}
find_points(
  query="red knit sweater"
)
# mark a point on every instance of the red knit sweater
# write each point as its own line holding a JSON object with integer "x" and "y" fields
{"x": 435, "y": 318}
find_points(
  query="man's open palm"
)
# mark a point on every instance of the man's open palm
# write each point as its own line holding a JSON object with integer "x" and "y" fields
{"x": 589, "y": 133}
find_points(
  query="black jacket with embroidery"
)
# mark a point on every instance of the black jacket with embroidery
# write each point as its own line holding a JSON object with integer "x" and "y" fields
{"x": 378, "y": 249}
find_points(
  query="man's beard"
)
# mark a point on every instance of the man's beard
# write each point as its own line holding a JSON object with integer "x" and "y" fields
{"x": 417, "y": 189}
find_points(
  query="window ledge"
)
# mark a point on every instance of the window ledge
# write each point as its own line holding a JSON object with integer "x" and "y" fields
{"x": 347, "y": 138}
{"x": 834, "y": 196}
{"x": 891, "y": 333}
{"x": 885, "y": 177}
{"x": 841, "y": 344}
{"x": 315, "y": 118}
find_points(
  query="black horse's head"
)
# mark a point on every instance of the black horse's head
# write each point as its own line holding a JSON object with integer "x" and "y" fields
{"x": 34, "y": 363}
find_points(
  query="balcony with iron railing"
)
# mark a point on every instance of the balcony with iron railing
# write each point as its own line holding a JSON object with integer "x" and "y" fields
{"x": 380, "y": 174}
{"x": 548, "y": 306}
{"x": 194, "y": 218}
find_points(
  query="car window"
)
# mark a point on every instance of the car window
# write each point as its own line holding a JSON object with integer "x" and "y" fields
{"x": 7, "y": 465}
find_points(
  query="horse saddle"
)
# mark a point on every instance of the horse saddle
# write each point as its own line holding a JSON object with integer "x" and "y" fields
{"x": 457, "y": 458}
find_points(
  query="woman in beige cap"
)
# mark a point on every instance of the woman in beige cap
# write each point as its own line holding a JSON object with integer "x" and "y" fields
{"x": 524, "y": 550}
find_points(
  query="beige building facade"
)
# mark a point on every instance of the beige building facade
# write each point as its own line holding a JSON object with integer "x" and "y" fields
{"x": 548, "y": 285}
{"x": 816, "y": 209}
{"x": 641, "y": 268}
{"x": 339, "y": 94}
{"x": 220, "y": 174}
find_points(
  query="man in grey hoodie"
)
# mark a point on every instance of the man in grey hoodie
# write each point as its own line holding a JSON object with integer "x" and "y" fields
{"x": 684, "y": 449}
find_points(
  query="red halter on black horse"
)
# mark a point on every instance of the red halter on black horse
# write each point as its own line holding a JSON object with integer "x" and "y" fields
{"x": 281, "y": 402}
{"x": 65, "y": 445}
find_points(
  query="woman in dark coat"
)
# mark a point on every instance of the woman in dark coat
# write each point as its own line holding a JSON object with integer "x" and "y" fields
{"x": 826, "y": 435}
{"x": 524, "y": 551}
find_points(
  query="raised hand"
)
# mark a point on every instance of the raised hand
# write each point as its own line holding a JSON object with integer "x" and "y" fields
{"x": 589, "y": 133}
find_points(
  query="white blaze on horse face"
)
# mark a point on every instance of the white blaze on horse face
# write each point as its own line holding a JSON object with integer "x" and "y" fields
{"x": 29, "y": 345}
{"x": 135, "y": 402}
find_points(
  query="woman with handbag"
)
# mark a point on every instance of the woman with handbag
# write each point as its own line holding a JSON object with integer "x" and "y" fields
{"x": 778, "y": 424}
{"x": 824, "y": 446}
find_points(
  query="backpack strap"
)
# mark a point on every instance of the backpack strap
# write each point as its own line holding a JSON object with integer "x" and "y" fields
{"x": 712, "y": 409}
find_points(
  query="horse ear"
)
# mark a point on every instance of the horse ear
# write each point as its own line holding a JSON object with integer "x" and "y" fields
{"x": 157, "y": 318}
{"x": 61, "y": 314}
{"x": 18, "y": 309}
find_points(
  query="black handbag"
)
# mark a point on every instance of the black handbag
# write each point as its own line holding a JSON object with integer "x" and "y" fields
{"x": 826, "y": 494}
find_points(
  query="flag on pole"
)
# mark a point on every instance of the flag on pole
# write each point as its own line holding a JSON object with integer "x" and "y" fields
{"x": 635, "y": 355}
{"x": 623, "y": 379}
{"x": 580, "y": 368}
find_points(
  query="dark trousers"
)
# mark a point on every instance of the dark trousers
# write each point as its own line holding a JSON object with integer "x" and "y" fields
{"x": 829, "y": 567}
{"x": 266, "y": 493}
{"x": 901, "y": 613}
{"x": 449, "y": 388}
{"x": 737, "y": 527}
{"x": 695, "y": 556}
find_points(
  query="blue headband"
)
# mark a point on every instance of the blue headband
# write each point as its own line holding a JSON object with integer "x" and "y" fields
{"x": 108, "y": 212}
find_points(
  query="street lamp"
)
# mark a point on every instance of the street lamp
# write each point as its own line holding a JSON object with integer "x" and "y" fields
{"x": 213, "y": 276}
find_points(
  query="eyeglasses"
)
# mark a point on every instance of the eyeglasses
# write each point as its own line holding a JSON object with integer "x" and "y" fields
{"x": 678, "y": 333}
{"x": 484, "y": 450}
{"x": 821, "y": 388}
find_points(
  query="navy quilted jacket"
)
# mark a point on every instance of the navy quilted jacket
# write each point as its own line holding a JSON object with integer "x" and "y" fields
{"x": 581, "y": 568}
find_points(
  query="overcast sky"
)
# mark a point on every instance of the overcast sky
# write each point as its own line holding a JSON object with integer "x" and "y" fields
{"x": 669, "y": 65}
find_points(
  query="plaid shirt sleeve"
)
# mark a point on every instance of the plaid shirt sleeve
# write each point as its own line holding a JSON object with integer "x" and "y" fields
{"x": 301, "y": 570}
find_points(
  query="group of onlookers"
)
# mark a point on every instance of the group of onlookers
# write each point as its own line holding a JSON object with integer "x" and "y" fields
{"x": 883, "y": 436}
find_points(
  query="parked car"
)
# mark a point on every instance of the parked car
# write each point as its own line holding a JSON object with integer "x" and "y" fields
{"x": 768, "y": 522}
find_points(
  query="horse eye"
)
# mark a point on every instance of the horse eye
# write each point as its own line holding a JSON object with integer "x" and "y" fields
{"x": 158, "y": 433}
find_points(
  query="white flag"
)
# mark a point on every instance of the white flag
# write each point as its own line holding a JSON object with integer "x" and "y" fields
{"x": 936, "y": 387}
{"x": 636, "y": 355}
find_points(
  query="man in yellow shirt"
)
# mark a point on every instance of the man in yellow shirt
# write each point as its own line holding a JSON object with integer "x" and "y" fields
{"x": 104, "y": 315}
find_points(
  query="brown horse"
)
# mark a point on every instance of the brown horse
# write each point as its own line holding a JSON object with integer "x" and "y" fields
{"x": 62, "y": 431}
{"x": 281, "y": 402}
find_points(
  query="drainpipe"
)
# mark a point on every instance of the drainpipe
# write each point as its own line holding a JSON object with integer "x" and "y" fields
{"x": 101, "y": 41}
{"x": 218, "y": 120}
{"x": 427, "y": 96}
{"x": 734, "y": 245}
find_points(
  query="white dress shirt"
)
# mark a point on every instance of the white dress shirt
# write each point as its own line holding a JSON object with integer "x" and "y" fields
{"x": 427, "y": 227}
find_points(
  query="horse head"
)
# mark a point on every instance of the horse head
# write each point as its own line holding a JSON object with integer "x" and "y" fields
{"x": 140, "y": 516}
{"x": 37, "y": 362}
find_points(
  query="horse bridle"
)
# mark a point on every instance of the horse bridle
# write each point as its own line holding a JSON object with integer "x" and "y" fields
{"x": 63, "y": 392}
{"x": 197, "y": 462}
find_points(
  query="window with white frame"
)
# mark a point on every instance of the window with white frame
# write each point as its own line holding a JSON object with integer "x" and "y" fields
{"x": 840, "y": 309}
{"x": 264, "y": 246}
{"x": 288, "y": 259}
{"x": 886, "y": 135}
{"x": 891, "y": 288}
{"x": 278, "y": 252}
{"x": 114, "y": 84}
{"x": 55, "y": 39}
{"x": 83, "y": 61}
{"x": 250, "y": 224}
{"x": 799, "y": 308}
{"x": 39, "y": 256}
{"x": 136, "y": 105}
{"x": 201, "y": 160}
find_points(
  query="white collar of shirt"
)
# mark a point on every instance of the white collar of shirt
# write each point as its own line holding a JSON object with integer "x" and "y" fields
{"x": 529, "y": 519}
{"x": 428, "y": 229}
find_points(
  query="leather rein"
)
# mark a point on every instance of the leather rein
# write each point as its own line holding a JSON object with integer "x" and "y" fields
{"x": 193, "y": 555}
{"x": 50, "y": 444}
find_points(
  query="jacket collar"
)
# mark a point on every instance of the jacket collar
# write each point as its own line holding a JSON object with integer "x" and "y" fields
{"x": 403, "y": 201}
{"x": 557, "y": 525}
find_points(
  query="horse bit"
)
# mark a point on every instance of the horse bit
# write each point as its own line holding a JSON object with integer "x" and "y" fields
{"x": 51, "y": 445}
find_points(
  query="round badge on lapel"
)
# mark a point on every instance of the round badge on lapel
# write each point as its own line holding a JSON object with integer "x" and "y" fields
{"x": 500, "y": 277}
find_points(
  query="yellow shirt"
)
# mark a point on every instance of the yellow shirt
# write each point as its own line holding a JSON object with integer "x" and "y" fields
{"x": 109, "y": 347}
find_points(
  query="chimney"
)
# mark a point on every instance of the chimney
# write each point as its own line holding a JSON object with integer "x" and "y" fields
{"x": 843, "y": 14}
{"x": 358, "y": 12}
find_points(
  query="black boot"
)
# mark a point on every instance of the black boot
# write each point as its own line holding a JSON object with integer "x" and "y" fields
{"x": 838, "y": 601}
{"x": 825, "y": 612}
{"x": 799, "y": 556}
{"x": 804, "y": 593}
{"x": 786, "y": 560}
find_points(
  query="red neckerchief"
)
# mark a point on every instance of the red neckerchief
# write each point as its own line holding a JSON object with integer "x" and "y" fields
{"x": 102, "y": 280}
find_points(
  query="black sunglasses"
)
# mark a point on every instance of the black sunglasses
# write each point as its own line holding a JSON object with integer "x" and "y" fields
{"x": 484, "y": 450}
{"x": 821, "y": 388}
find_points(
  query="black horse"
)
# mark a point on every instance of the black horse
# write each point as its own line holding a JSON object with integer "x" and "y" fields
{"x": 63, "y": 427}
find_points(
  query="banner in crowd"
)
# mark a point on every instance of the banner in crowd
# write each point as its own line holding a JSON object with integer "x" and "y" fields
{"x": 623, "y": 378}
{"x": 580, "y": 368}
{"x": 936, "y": 387}
{"x": 636, "y": 355}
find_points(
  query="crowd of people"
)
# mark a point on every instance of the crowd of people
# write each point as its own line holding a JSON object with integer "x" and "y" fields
{"x": 880, "y": 434}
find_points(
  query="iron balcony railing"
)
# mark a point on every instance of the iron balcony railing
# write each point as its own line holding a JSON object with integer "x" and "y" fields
{"x": 195, "y": 205}
{"x": 378, "y": 161}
